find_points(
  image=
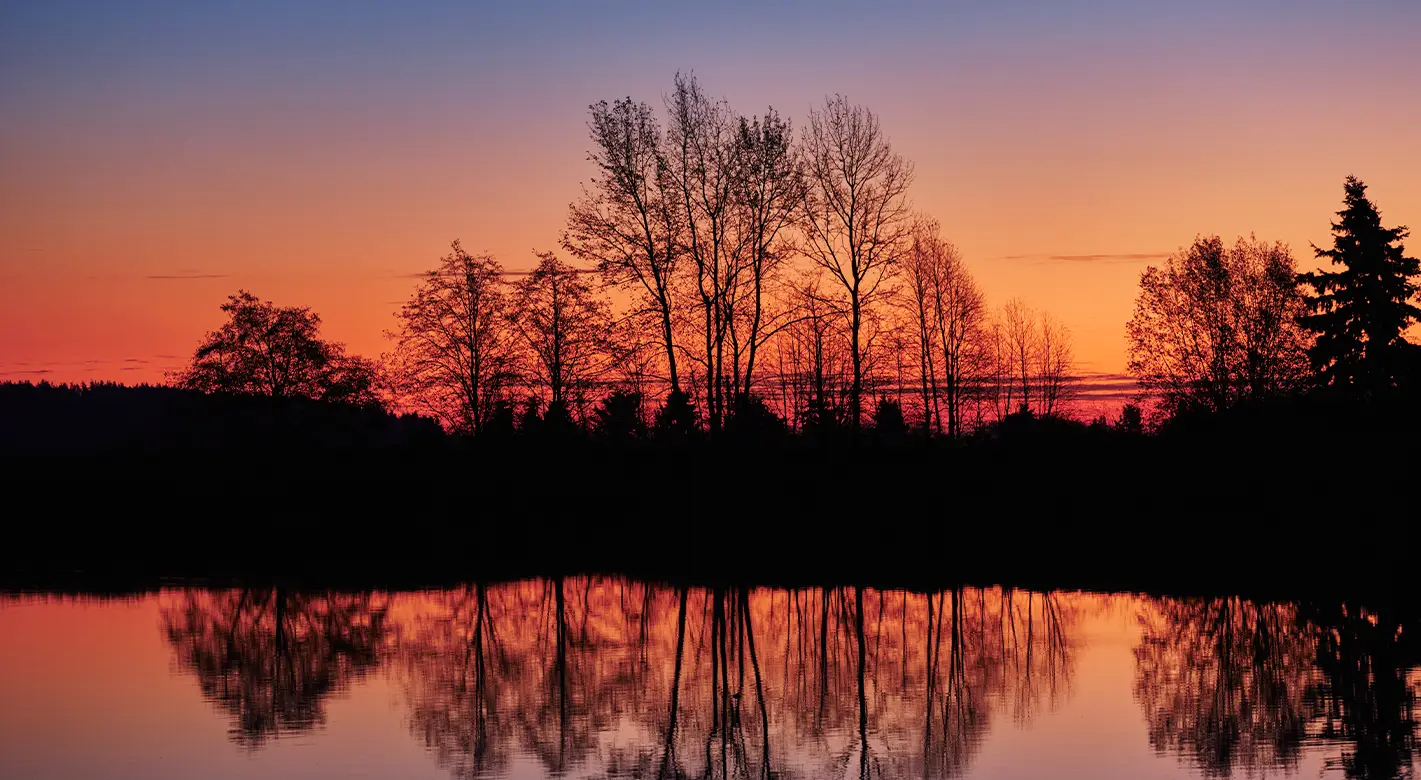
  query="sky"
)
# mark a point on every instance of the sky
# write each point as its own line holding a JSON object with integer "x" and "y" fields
{"x": 157, "y": 156}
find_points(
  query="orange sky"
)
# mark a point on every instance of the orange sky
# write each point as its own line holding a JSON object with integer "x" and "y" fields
{"x": 152, "y": 162}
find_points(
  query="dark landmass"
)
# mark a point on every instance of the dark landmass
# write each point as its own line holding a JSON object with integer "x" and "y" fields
{"x": 121, "y": 488}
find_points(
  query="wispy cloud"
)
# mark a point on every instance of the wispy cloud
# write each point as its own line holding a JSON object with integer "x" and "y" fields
{"x": 1121, "y": 257}
{"x": 186, "y": 276}
{"x": 505, "y": 272}
{"x": 1131, "y": 257}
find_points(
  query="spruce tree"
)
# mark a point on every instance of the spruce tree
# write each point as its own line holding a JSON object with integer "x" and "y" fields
{"x": 1360, "y": 311}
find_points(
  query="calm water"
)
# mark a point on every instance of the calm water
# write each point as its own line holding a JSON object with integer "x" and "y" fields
{"x": 585, "y": 678}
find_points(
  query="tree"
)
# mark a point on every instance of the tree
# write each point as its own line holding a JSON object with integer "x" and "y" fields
{"x": 960, "y": 310}
{"x": 855, "y": 213}
{"x": 277, "y": 351}
{"x": 1055, "y": 361}
{"x": 1022, "y": 343}
{"x": 620, "y": 416}
{"x": 700, "y": 153}
{"x": 919, "y": 274}
{"x": 564, "y": 326}
{"x": 770, "y": 190}
{"x": 454, "y": 350}
{"x": 1215, "y": 326}
{"x": 629, "y": 222}
{"x": 1360, "y": 312}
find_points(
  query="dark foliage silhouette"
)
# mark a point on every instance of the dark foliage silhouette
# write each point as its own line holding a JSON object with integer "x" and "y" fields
{"x": 621, "y": 417}
{"x": 1217, "y": 326}
{"x": 1361, "y": 311}
{"x": 123, "y": 420}
{"x": 265, "y": 349}
{"x": 676, "y": 419}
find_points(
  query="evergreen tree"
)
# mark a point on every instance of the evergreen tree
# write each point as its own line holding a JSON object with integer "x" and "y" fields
{"x": 1360, "y": 312}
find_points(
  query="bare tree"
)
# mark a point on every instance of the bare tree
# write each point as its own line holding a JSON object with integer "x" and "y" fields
{"x": 565, "y": 328}
{"x": 959, "y": 310}
{"x": 919, "y": 276}
{"x": 701, "y": 153}
{"x": 770, "y": 190}
{"x": 856, "y": 212}
{"x": 454, "y": 349}
{"x": 1055, "y": 363}
{"x": 1000, "y": 389}
{"x": 629, "y": 223}
{"x": 812, "y": 363}
{"x": 1022, "y": 343}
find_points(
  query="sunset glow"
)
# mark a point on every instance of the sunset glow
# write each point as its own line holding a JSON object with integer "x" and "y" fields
{"x": 155, "y": 157}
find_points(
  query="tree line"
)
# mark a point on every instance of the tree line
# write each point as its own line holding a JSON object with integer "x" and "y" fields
{"x": 724, "y": 271}
{"x": 718, "y": 269}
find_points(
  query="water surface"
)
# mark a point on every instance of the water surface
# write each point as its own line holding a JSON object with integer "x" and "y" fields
{"x": 605, "y": 677}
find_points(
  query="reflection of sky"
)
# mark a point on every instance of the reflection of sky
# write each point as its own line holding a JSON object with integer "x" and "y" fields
{"x": 155, "y": 155}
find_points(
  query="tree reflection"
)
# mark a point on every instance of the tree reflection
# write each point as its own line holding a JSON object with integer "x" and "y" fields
{"x": 1223, "y": 682}
{"x": 271, "y": 658}
{"x": 614, "y": 677}
{"x": 1237, "y": 686}
{"x": 1368, "y": 695}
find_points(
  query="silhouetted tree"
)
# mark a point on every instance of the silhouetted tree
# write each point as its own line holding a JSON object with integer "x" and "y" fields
{"x": 619, "y": 416}
{"x": 1055, "y": 364}
{"x": 1131, "y": 420}
{"x": 960, "y": 312}
{"x": 677, "y": 417}
{"x": 919, "y": 276}
{"x": 701, "y": 157}
{"x": 856, "y": 214}
{"x": 454, "y": 350}
{"x": 769, "y": 192}
{"x": 1018, "y": 322}
{"x": 565, "y": 328}
{"x": 752, "y": 418}
{"x": 629, "y": 223}
{"x": 1217, "y": 326}
{"x": 1361, "y": 312}
{"x": 888, "y": 421}
{"x": 277, "y": 351}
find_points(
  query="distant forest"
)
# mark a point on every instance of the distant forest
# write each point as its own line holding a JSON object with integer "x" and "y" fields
{"x": 725, "y": 276}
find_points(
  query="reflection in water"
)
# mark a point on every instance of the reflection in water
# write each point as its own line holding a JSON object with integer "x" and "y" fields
{"x": 629, "y": 679}
{"x": 612, "y": 677}
{"x": 271, "y": 657}
{"x": 1370, "y": 686}
{"x": 1237, "y": 687}
{"x": 1225, "y": 683}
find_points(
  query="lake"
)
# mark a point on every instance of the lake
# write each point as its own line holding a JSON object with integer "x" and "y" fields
{"x": 596, "y": 677}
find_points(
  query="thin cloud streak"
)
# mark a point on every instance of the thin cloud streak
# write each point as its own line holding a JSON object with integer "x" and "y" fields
{"x": 184, "y": 277}
{"x": 1123, "y": 257}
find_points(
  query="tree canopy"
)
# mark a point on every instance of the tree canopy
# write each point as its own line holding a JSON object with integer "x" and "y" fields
{"x": 1216, "y": 326}
{"x": 277, "y": 351}
{"x": 1361, "y": 311}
